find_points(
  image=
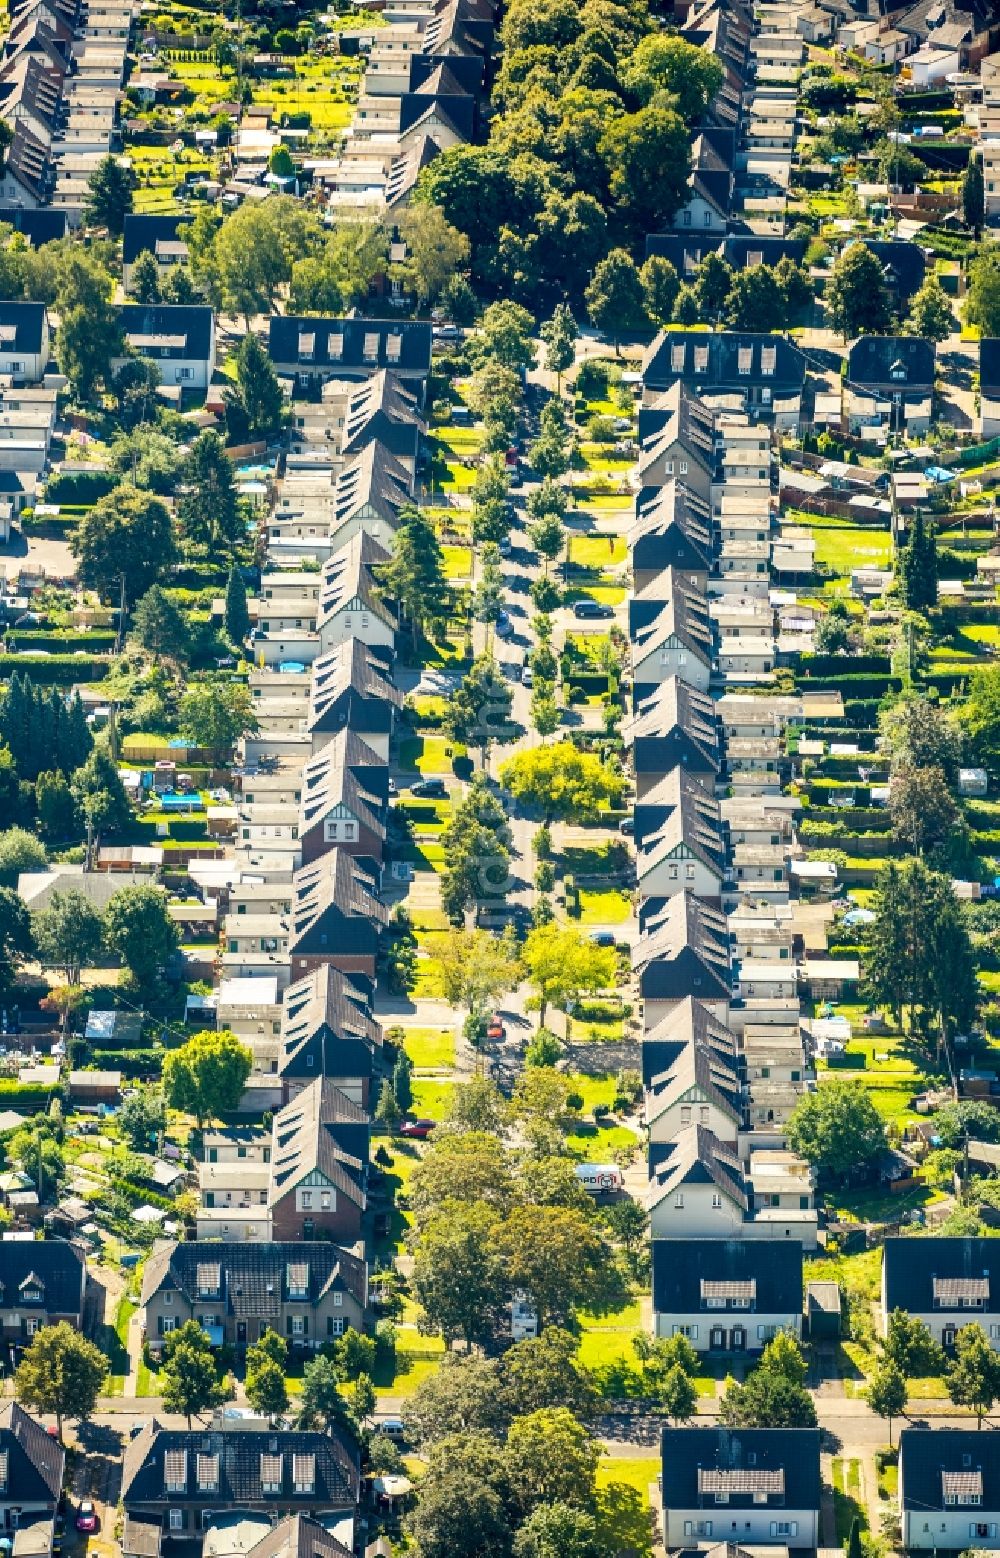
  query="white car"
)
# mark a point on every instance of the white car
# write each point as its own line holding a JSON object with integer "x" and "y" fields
{"x": 527, "y": 677}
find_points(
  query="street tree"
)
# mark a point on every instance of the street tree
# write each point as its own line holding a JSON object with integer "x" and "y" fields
{"x": 783, "y": 1355}
{"x": 463, "y": 1395}
{"x": 563, "y": 782}
{"x": 662, "y": 63}
{"x": 266, "y": 1390}
{"x": 679, "y": 1395}
{"x": 887, "y": 1393}
{"x": 109, "y": 195}
{"x": 857, "y": 297}
{"x": 505, "y": 336}
{"x": 660, "y": 286}
{"x": 755, "y": 300}
{"x": 561, "y": 963}
{"x": 614, "y": 297}
{"x": 320, "y": 1403}
{"x": 69, "y": 934}
{"x": 766, "y": 1399}
{"x": 459, "y": 1515}
{"x": 543, "y": 1371}
{"x": 551, "y": 1458}
{"x": 837, "y": 1128}
{"x": 458, "y": 1275}
{"x": 973, "y": 1379}
{"x": 548, "y": 535}
{"x": 206, "y": 1076}
{"x": 559, "y": 335}
{"x": 124, "y": 541}
{"x": 138, "y": 928}
{"x": 208, "y": 507}
{"x": 61, "y": 1373}
{"x": 474, "y": 968}
{"x": 414, "y": 575}
{"x": 159, "y": 626}
{"x": 188, "y": 1374}
{"x": 478, "y": 711}
{"x": 909, "y": 1346}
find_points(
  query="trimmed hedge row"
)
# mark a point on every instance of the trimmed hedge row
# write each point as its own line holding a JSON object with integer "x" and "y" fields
{"x": 81, "y": 487}
{"x": 833, "y": 665}
{"x": 61, "y": 669}
{"x": 88, "y": 641}
{"x": 131, "y": 1063}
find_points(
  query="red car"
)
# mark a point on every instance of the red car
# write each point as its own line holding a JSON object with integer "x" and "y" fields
{"x": 421, "y": 1129}
{"x": 495, "y": 1029}
{"x": 86, "y": 1516}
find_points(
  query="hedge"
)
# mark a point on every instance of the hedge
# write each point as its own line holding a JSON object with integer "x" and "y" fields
{"x": 86, "y": 641}
{"x": 131, "y": 1063}
{"x": 78, "y": 486}
{"x": 63, "y": 669}
{"x": 874, "y": 687}
{"x": 833, "y": 665}
{"x": 24, "y": 1095}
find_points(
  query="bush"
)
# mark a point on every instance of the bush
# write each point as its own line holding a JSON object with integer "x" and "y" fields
{"x": 78, "y": 487}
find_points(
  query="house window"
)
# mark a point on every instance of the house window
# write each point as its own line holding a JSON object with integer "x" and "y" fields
{"x": 668, "y": 466}
{"x": 177, "y": 1520}
{"x": 744, "y": 357}
{"x": 683, "y": 467}
{"x": 335, "y": 1325}
{"x": 768, "y": 358}
{"x": 394, "y": 347}
{"x": 370, "y": 349}
{"x": 716, "y": 1201}
{"x": 677, "y": 359}
{"x": 307, "y": 1200}
{"x": 338, "y": 1299}
{"x": 679, "y": 1200}
{"x": 335, "y": 347}
{"x": 298, "y": 1325}
{"x": 31, "y": 1324}
{"x": 690, "y": 1331}
{"x": 686, "y": 1114}
{"x": 701, "y": 359}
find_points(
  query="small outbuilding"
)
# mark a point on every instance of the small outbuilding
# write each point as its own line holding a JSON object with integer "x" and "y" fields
{"x": 823, "y": 1311}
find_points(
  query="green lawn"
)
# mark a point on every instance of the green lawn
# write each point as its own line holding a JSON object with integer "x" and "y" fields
{"x": 608, "y": 907}
{"x": 843, "y": 547}
{"x": 457, "y": 561}
{"x": 430, "y": 1049}
{"x": 624, "y": 1514}
{"x": 597, "y": 551}
{"x": 431, "y": 1099}
{"x": 428, "y": 754}
{"x": 848, "y": 1503}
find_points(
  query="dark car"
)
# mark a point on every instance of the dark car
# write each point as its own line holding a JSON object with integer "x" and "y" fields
{"x": 504, "y": 626}
{"x": 86, "y": 1517}
{"x": 602, "y": 938}
{"x": 592, "y": 608}
{"x": 430, "y": 789}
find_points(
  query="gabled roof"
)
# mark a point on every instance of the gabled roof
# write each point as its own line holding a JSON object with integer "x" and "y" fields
{"x": 57, "y": 1266}
{"x": 716, "y": 1079}
{"x": 903, "y": 263}
{"x": 349, "y": 575}
{"x": 919, "y": 1274}
{"x": 254, "y": 1279}
{"x": 724, "y": 361}
{"x": 298, "y": 1537}
{"x": 382, "y": 408}
{"x": 317, "y": 341}
{"x": 183, "y": 329}
{"x": 24, "y": 327}
{"x": 29, "y": 162}
{"x": 338, "y": 786}
{"x": 373, "y": 478}
{"x": 347, "y": 750}
{"x": 696, "y": 1157}
{"x": 142, "y": 234}
{"x": 320, "y": 1131}
{"x": 675, "y": 707}
{"x": 681, "y": 1266}
{"x": 679, "y": 814}
{"x": 41, "y": 226}
{"x": 685, "y": 951}
{"x": 244, "y": 1458}
{"x": 35, "y": 1460}
{"x": 905, "y": 360}
{"x": 689, "y": 1453}
{"x": 670, "y": 527}
{"x": 327, "y": 1026}
{"x": 959, "y": 1463}
{"x": 670, "y": 608}
{"x": 351, "y": 687}
{"x": 688, "y": 1023}
{"x": 336, "y": 890}
{"x": 676, "y": 415}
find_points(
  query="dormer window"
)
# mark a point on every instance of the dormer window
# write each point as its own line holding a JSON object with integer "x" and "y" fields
{"x": 297, "y": 1277}
{"x": 744, "y": 356}
{"x": 394, "y": 346}
{"x": 4, "y": 1470}
{"x": 335, "y": 347}
{"x": 304, "y": 1474}
{"x": 768, "y": 358}
{"x": 677, "y": 358}
{"x": 897, "y": 371}
{"x": 270, "y": 1474}
{"x": 175, "y": 1471}
{"x": 370, "y": 348}
{"x": 701, "y": 359}
{"x": 207, "y": 1471}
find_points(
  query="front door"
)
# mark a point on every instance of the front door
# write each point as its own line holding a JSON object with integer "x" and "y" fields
{"x": 717, "y": 1340}
{"x": 738, "y": 1339}
{"x": 241, "y": 1333}
{"x": 948, "y": 1336}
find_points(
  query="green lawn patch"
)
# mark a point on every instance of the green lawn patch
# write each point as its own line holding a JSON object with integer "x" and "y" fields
{"x": 848, "y": 1505}
{"x": 430, "y": 1049}
{"x": 428, "y": 754}
{"x": 597, "y": 551}
{"x": 457, "y": 561}
{"x": 431, "y": 1099}
{"x": 610, "y": 907}
{"x": 624, "y": 1513}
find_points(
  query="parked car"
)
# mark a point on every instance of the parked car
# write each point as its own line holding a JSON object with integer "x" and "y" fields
{"x": 430, "y": 789}
{"x": 504, "y": 626}
{"x": 504, "y": 547}
{"x": 420, "y": 1129}
{"x": 602, "y": 938}
{"x": 393, "y": 1426}
{"x": 627, "y": 827}
{"x": 86, "y": 1516}
{"x": 592, "y": 608}
{"x": 495, "y": 1029}
{"x": 527, "y": 677}
{"x": 446, "y": 332}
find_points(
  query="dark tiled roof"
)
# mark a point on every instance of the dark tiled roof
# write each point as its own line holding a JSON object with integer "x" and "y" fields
{"x": 989, "y": 365}
{"x": 928, "y": 1457}
{"x": 35, "y": 1460}
{"x": 188, "y": 322}
{"x": 724, "y": 361}
{"x": 903, "y": 263}
{"x": 413, "y": 335}
{"x": 298, "y": 1537}
{"x": 349, "y": 575}
{"x": 58, "y": 1266}
{"x": 680, "y": 1266}
{"x": 382, "y": 408}
{"x": 42, "y": 226}
{"x": 321, "y": 1130}
{"x": 674, "y": 708}
{"x": 327, "y": 1029}
{"x": 913, "y": 1265}
{"x": 143, "y": 233}
{"x": 240, "y": 1454}
{"x": 335, "y": 907}
{"x": 671, "y": 528}
{"x": 688, "y": 1023}
{"x": 696, "y": 1157}
{"x": 792, "y": 1451}
{"x": 905, "y": 360}
{"x": 351, "y": 689}
{"x": 253, "y": 1278}
{"x": 670, "y": 608}
{"x": 685, "y": 952}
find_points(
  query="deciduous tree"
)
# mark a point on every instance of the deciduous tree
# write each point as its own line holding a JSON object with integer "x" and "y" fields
{"x": 562, "y": 781}
{"x": 69, "y": 934}
{"x": 837, "y": 1128}
{"x": 207, "y": 1075}
{"x": 857, "y": 298}
{"x": 138, "y": 927}
{"x": 974, "y": 1376}
{"x": 127, "y": 535}
{"x": 61, "y": 1373}
{"x": 887, "y": 1393}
